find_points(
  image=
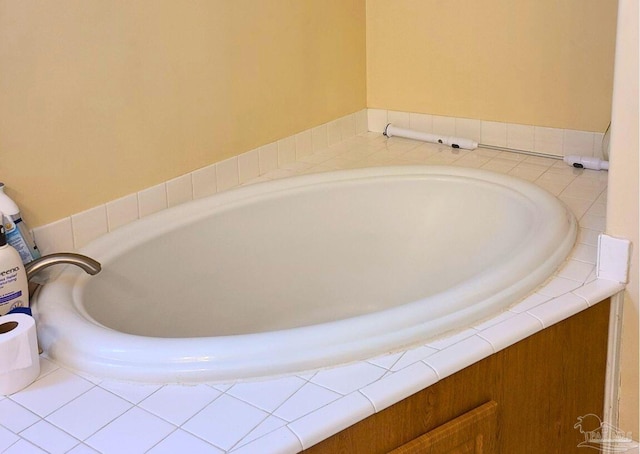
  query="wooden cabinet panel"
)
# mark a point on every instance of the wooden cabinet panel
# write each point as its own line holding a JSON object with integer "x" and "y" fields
{"x": 541, "y": 384}
{"x": 471, "y": 433}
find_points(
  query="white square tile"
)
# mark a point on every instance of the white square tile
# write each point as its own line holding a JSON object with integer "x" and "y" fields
{"x": 576, "y": 270}
{"x": 269, "y": 394}
{"x": 558, "y": 309}
{"x": 308, "y": 398}
{"x": 386, "y": 361}
{"x": 46, "y": 366}
{"x": 122, "y": 211}
{"x": 598, "y": 290}
{"x": 331, "y": 419}
{"x": 504, "y": 334}
{"x": 304, "y": 143}
{"x": 493, "y": 133}
{"x": 176, "y": 403}
{"x": 444, "y": 125}
{"x": 488, "y": 152}
{"x": 575, "y": 189}
{"x": 578, "y": 143}
{"x": 152, "y": 200}
{"x": 133, "y": 392}
{"x": 577, "y": 206}
{"x": 377, "y": 120}
{"x": 529, "y": 302}
{"x": 204, "y": 182}
{"x": 23, "y": 447}
{"x": 548, "y": 140}
{"x": 348, "y": 126}
{"x": 469, "y": 129}
{"x": 458, "y": 356}
{"x": 249, "y": 165}
{"x": 269, "y": 155}
{"x": 506, "y": 315}
{"x": 553, "y": 188}
{"x": 280, "y": 441}
{"x": 543, "y": 161}
{"x": 89, "y": 225}
{"x": 52, "y": 392}
{"x": 412, "y": 356}
{"x": 55, "y": 237}
{"x": 80, "y": 417}
{"x": 614, "y": 255}
{"x": 225, "y": 421}
{"x": 520, "y": 137}
{"x": 556, "y": 178}
{"x": 7, "y": 438}
{"x": 227, "y": 174}
{"x": 599, "y": 149}
{"x": 135, "y": 431}
{"x": 362, "y": 121}
{"x": 179, "y": 190}
{"x": 15, "y": 417}
{"x": 585, "y": 252}
{"x": 268, "y": 425}
{"x": 49, "y": 438}
{"x": 82, "y": 449}
{"x": 222, "y": 387}
{"x": 279, "y": 173}
{"x": 499, "y": 165}
{"x": 598, "y": 209}
{"x": 349, "y": 378}
{"x": 526, "y": 173}
{"x": 447, "y": 339}
{"x": 334, "y": 133}
{"x": 286, "y": 150}
{"x": 558, "y": 286}
{"x": 399, "y": 119}
{"x": 512, "y": 156}
{"x": 398, "y": 385}
{"x": 589, "y": 221}
{"x": 319, "y": 138}
{"x": 421, "y": 122}
{"x": 183, "y": 442}
{"x": 299, "y": 166}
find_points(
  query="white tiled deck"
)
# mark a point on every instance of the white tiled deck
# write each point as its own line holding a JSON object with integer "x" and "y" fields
{"x": 68, "y": 412}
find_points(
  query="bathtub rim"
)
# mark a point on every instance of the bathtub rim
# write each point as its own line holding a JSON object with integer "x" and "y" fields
{"x": 60, "y": 344}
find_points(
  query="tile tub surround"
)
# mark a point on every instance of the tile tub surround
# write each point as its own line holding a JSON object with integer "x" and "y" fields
{"x": 299, "y": 152}
{"x": 65, "y": 411}
{"x": 282, "y": 156}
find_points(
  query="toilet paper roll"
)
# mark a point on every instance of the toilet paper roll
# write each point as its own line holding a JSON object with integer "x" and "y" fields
{"x": 19, "y": 362}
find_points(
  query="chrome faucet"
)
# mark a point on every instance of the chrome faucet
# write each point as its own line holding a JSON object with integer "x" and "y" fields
{"x": 88, "y": 264}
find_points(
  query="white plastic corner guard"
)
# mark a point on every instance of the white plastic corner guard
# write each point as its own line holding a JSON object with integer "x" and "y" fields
{"x": 613, "y": 258}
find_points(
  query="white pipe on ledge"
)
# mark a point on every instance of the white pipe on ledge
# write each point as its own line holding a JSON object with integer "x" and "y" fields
{"x": 454, "y": 142}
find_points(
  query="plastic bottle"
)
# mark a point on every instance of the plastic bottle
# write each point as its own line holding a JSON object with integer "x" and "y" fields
{"x": 14, "y": 287}
{"x": 17, "y": 231}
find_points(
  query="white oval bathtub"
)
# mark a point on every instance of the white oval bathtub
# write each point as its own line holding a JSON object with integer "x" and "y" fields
{"x": 302, "y": 273}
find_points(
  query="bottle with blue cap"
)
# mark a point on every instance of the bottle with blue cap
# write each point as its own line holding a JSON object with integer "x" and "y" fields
{"x": 14, "y": 287}
{"x": 16, "y": 230}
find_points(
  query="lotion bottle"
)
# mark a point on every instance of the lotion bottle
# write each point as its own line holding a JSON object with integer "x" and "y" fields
{"x": 14, "y": 287}
{"x": 17, "y": 232}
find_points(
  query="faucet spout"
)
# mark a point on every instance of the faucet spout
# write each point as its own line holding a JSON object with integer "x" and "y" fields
{"x": 88, "y": 264}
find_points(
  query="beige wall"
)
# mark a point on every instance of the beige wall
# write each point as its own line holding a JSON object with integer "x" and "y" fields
{"x": 100, "y": 98}
{"x": 536, "y": 62}
{"x": 623, "y": 203}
